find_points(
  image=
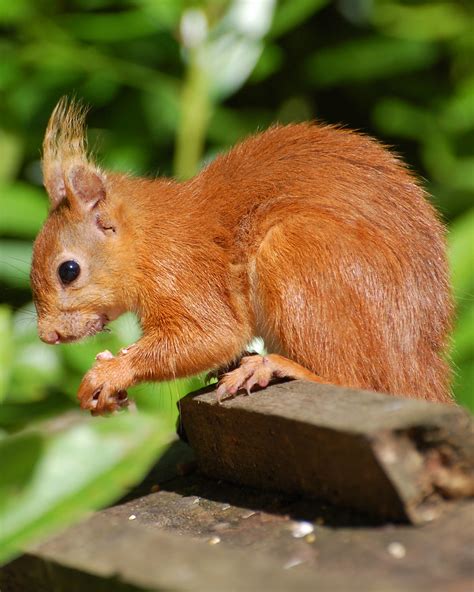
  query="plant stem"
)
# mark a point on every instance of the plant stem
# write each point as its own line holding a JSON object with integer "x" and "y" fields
{"x": 196, "y": 109}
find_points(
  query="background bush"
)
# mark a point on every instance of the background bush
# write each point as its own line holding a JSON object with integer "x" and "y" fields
{"x": 173, "y": 82}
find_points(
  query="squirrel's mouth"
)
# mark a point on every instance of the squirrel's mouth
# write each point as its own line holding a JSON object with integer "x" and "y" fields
{"x": 92, "y": 327}
{"x": 98, "y": 325}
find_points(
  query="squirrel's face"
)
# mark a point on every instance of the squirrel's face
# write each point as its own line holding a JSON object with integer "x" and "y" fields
{"x": 75, "y": 275}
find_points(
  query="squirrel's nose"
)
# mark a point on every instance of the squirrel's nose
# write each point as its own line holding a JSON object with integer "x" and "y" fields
{"x": 51, "y": 337}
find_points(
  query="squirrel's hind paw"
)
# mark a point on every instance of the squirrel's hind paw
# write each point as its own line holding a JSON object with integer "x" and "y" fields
{"x": 259, "y": 370}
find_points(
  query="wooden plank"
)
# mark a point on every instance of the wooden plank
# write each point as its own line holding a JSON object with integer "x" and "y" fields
{"x": 393, "y": 458}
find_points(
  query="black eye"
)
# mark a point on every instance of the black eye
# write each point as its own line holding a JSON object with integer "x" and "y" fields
{"x": 69, "y": 271}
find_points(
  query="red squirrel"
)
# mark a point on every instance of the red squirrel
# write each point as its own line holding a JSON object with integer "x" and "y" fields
{"x": 314, "y": 237}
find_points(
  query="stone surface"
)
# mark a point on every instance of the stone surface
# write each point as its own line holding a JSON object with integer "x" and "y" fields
{"x": 192, "y": 533}
{"x": 390, "y": 457}
{"x": 180, "y": 530}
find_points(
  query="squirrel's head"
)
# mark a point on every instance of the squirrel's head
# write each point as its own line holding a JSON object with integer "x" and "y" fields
{"x": 77, "y": 274}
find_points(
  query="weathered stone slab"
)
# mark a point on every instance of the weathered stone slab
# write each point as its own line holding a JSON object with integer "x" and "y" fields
{"x": 393, "y": 458}
{"x": 194, "y": 534}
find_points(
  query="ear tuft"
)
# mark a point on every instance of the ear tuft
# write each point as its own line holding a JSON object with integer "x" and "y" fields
{"x": 67, "y": 170}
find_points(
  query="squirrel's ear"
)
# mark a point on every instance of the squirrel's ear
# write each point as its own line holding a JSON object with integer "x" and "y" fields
{"x": 67, "y": 171}
{"x": 85, "y": 185}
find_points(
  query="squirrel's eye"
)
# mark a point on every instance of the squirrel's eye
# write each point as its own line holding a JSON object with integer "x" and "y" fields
{"x": 69, "y": 271}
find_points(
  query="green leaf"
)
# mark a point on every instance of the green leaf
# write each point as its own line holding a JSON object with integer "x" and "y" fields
{"x": 15, "y": 262}
{"x": 24, "y": 209}
{"x": 463, "y": 174}
{"x": 270, "y": 62}
{"x": 291, "y": 13}
{"x": 427, "y": 20}
{"x": 25, "y": 449}
{"x": 111, "y": 27}
{"x": 396, "y": 117}
{"x": 82, "y": 466}
{"x": 461, "y": 256}
{"x": 11, "y": 149}
{"x": 464, "y": 385}
{"x": 372, "y": 58}
{"x": 6, "y": 347}
{"x": 458, "y": 113}
{"x": 165, "y": 12}
{"x": 160, "y": 103}
{"x": 14, "y": 12}
{"x": 36, "y": 366}
{"x": 463, "y": 349}
{"x": 228, "y": 126}
{"x": 14, "y": 416}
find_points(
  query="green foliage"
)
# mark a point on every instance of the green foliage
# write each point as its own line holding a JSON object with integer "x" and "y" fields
{"x": 171, "y": 83}
{"x": 102, "y": 458}
{"x": 372, "y": 58}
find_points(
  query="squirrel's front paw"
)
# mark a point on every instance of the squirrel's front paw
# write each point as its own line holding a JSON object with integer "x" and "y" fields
{"x": 102, "y": 389}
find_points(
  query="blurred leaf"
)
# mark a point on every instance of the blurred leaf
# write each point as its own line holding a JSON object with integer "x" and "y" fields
{"x": 464, "y": 385}
{"x": 443, "y": 164}
{"x": 372, "y": 58}
{"x": 164, "y": 397}
{"x": 14, "y": 12}
{"x": 438, "y": 156}
{"x": 228, "y": 126}
{"x": 395, "y": 117}
{"x": 15, "y": 262}
{"x": 9, "y": 67}
{"x": 70, "y": 477}
{"x": 295, "y": 109}
{"x": 270, "y": 62}
{"x": 11, "y": 149}
{"x": 24, "y": 209}
{"x": 165, "y": 12}
{"x": 463, "y": 350}
{"x": 6, "y": 349}
{"x": 123, "y": 156}
{"x": 428, "y": 20}
{"x": 451, "y": 203}
{"x": 461, "y": 255}
{"x": 111, "y": 27}
{"x": 160, "y": 103}
{"x": 26, "y": 450}
{"x": 35, "y": 367}
{"x": 462, "y": 174}
{"x": 95, "y": 4}
{"x": 100, "y": 89}
{"x": 14, "y": 416}
{"x": 458, "y": 113}
{"x": 291, "y": 13}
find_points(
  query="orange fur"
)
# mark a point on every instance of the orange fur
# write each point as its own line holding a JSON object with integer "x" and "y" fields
{"x": 314, "y": 237}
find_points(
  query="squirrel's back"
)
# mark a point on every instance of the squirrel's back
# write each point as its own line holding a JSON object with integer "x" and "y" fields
{"x": 346, "y": 256}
